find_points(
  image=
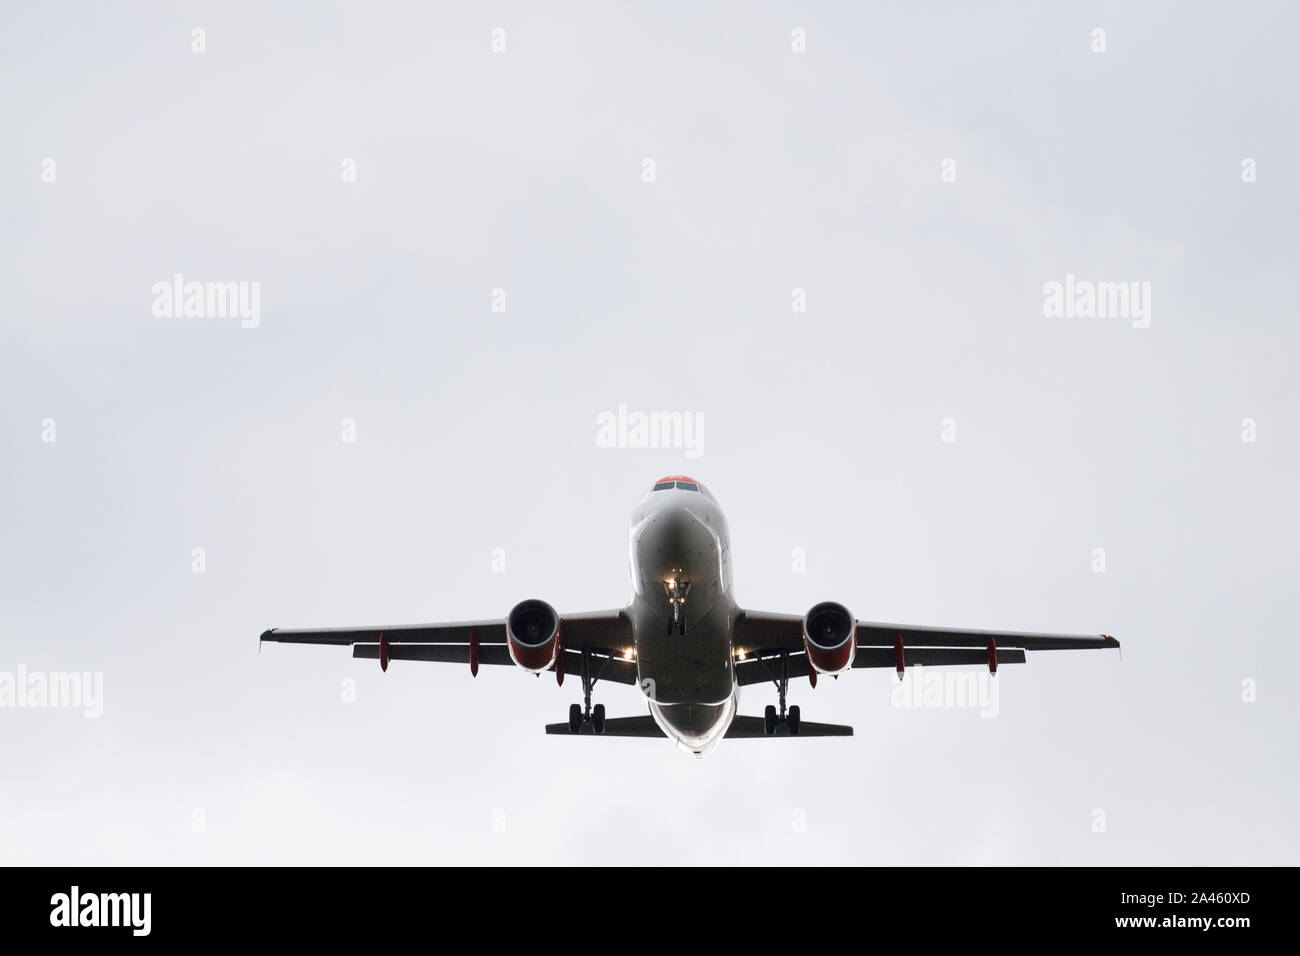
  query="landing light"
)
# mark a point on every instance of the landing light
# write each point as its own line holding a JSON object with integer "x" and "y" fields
{"x": 629, "y": 655}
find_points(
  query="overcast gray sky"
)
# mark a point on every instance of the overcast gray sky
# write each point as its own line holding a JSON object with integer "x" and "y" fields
{"x": 524, "y": 170}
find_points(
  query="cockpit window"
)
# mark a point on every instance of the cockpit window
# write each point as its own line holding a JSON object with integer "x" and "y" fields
{"x": 683, "y": 483}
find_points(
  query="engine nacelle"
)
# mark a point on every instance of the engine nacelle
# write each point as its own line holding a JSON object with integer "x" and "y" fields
{"x": 533, "y": 635}
{"x": 830, "y": 637}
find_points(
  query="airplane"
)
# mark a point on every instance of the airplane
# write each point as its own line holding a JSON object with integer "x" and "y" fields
{"x": 684, "y": 641}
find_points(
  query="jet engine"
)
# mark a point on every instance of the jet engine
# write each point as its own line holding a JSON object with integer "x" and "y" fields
{"x": 533, "y": 635}
{"x": 830, "y": 637}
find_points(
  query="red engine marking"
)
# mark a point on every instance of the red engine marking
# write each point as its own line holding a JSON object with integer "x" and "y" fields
{"x": 473, "y": 653}
{"x": 993, "y": 656}
{"x": 383, "y": 650}
{"x": 559, "y": 659}
{"x": 899, "y": 662}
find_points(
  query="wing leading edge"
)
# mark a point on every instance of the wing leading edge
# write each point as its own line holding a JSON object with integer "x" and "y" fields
{"x": 765, "y": 637}
{"x": 604, "y": 635}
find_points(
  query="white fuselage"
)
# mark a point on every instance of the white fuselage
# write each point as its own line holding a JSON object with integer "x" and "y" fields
{"x": 681, "y": 575}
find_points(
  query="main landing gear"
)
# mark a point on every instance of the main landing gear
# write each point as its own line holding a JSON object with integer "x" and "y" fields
{"x": 770, "y": 715}
{"x": 586, "y": 713}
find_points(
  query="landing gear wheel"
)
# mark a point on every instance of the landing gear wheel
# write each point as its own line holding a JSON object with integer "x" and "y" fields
{"x": 792, "y": 720}
{"x": 575, "y": 718}
{"x": 769, "y": 720}
{"x": 598, "y": 718}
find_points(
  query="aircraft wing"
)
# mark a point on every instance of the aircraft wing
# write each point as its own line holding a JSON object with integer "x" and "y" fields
{"x": 764, "y": 637}
{"x": 604, "y": 634}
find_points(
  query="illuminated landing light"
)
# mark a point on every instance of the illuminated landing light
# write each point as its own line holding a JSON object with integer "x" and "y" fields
{"x": 629, "y": 654}
{"x": 740, "y": 654}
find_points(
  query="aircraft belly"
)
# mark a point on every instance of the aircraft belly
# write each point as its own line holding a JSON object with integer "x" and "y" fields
{"x": 695, "y": 668}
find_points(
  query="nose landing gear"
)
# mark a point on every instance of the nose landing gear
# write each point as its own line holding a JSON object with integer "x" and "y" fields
{"x": 677, "y": 590}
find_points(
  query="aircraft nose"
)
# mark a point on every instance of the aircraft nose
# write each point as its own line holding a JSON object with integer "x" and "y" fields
{"x": 679, "y": 535}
